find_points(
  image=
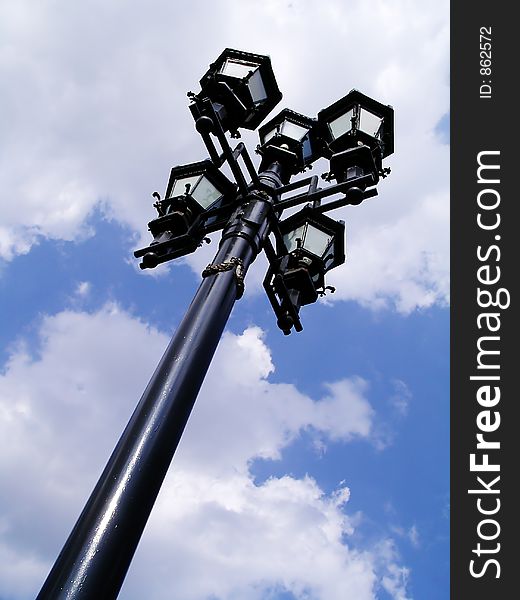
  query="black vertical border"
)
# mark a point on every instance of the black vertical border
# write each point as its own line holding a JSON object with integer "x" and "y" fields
{"x": 483, "y": 124}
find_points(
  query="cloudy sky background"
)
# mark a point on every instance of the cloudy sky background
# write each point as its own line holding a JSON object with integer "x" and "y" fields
{"x": 319, "y": 469}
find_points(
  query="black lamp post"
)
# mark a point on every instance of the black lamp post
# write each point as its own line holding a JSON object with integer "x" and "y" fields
{"x": 239, "y": 90}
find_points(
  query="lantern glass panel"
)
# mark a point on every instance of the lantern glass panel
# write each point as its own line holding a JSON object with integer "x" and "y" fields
{"x": 306, "y": 149}
{"x": 271, "y": 134}
{"x": 311, "y": 238}
{"x": 179, "y": 187}
{"x": 317, "y": 241}
{"x": 369, "y": 122}
{"x": 291, "y": 239}
{"x": 256, "y": 87}
{"x": 289, "y": 129}
{"x": 342, "y": 124}
{"x": 328, "y": 259}
{"x": 238, "y": 69}
{"x": 205, "y": 193}
{"x": 295, "y": 132}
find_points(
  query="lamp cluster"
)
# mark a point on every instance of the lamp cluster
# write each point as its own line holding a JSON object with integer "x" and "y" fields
{"x": 238, "y": 91}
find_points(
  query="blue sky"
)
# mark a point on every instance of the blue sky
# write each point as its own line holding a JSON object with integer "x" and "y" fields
{"x": 318, "y": 468}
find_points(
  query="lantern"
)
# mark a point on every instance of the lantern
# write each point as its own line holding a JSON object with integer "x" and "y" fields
{"x": 289, "y": 137}
{"x": 242, "y": 89}
{"x": 193, "y": 189}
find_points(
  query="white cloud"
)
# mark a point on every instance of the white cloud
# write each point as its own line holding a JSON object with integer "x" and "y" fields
{"x": 396, "y": 581}
{"x": 98, "y": 121}
{"x": 413, "y": 535}
{"x": 258, "y": 418}
{"x": 247, "y": 539}
{"x": 396, "y": 577}
{"x": 62, "y": 409}
{"x": 411, "y": 275}
{"x": 400, "y": 400}
{"x": 83, "y": 288}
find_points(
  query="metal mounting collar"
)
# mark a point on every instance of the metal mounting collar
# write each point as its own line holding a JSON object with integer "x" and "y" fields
{"x": 232, "y": 263}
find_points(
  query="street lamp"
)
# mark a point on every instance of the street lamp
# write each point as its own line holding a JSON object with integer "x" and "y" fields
{"x": 201, "y": 184}
{"x": 288, "y": 137}
{"x": 312, "y": 244}
{"x": 239, "y": 90}
{"x": 315, "y": 240}
{"x": 357, "y": 118}
{"x": 357, "y": 133}
{"x": 196, "y": 195}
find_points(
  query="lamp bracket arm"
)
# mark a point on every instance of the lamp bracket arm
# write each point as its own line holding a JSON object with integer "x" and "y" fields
{"x": 344, "y": 201}
{"x": 278, "y": 295}
{"x": 175, "y": 243}
{"x": 311, "y": 182}
{"x": 281, "y": 249}
{"x": 215, "y": 157}
{"x": 227, "y": 153}
{"x": 270, "y": 252}
{"x": 241, "y": 150}
{"x": 318, "y": 193}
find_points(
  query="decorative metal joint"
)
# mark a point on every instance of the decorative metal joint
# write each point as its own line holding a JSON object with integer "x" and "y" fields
{"x": 323, "y": 291}
{"x": 233, "y": 263}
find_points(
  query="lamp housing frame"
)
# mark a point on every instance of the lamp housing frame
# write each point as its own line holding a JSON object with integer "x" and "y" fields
{"x": 183, "y": 222}
{"x": 232, "y": 97}
{"x": 285, "y": 147}
{"x": 355, "y": 101}
{"x": 308, "y": 215}
{"x": 204, "y": 168}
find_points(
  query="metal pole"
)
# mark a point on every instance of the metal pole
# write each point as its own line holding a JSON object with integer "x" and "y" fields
{"x": 95, "y": 558}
